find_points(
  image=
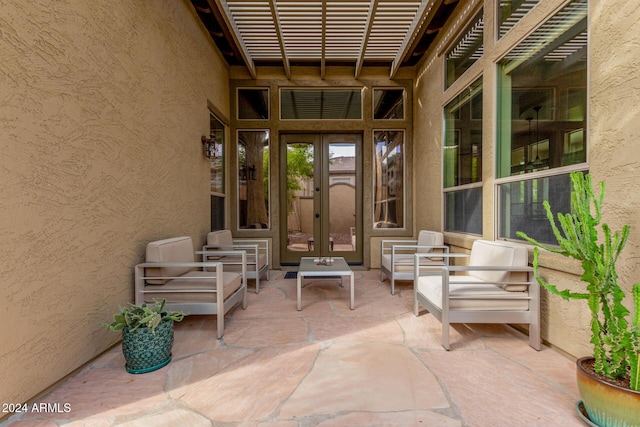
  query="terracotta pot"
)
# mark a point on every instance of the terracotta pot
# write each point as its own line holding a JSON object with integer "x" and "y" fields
{"x": 607, "y": 404}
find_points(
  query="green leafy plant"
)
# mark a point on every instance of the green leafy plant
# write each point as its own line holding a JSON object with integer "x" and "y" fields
{"x": 143, "y": 316}
{"x": 615, "y": 339}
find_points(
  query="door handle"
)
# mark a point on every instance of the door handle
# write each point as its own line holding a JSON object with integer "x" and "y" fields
{"x": 317, "y": 215}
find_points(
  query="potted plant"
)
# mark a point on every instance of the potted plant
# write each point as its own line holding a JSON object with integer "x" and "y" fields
{"x": 614, "y": 366}
{"x": 147, "y": 335}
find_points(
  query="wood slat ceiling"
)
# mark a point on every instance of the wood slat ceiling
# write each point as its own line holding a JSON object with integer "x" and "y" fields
{"x": 391, "y": 33}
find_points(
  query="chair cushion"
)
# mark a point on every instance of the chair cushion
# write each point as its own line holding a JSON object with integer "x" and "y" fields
{"x": 175, "y": 249}
{"x": 495, "y": 253}
{"x": 431, "y": 288}
{"x": 192, "y": 281}
{"x": 429, "y": 238}
{"x": 220, "y": 237}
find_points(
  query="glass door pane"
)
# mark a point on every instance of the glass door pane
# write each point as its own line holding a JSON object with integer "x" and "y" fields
{"x": 342, "y": 196}
{"x": 321, "y": 183}
{"x": 301, "y": 198}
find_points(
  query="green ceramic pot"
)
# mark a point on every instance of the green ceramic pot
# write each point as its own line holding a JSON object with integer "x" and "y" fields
{"x": 145, "y": 351}
{"x": 606, "y": 404}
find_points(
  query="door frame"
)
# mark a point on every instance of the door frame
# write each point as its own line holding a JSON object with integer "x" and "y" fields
{"x": 321, "y": 226}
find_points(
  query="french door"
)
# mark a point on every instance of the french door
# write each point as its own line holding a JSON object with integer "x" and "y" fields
{"x": 321, "y": 187}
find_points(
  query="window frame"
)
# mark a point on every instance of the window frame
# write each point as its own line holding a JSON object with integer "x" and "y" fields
{"x": 222, "y": 159}
{"x": 536, "y": 174}
{"x": 386, "y": 88}
{"x": 498, "y": 24}
{"x": 477, "y": 81}
{"x": 312, "y": 88}
{"x": 238, "y": 181}
{"x": 239, "y": 88}
{"x": 479, "y": 11}
{"x": 404, "y": 181}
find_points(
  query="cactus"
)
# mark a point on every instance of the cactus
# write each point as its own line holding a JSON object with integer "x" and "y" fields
{"x": 615, "y": 339}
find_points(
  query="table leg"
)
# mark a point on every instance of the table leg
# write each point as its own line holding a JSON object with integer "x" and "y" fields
{"x": 299, "y": 285}
{"x": 352, "y": 289}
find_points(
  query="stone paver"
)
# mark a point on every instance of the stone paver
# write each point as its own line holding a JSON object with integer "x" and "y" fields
{"x": 327, "y": 365}
{"x": 371, "y": 377}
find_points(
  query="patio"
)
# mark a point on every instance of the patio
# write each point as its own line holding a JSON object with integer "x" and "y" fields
{"x": 325, "y": 365}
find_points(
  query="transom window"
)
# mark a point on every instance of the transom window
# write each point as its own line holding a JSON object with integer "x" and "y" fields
{"x": 467, "y": 49}
{"x": 253, "y": 104}
{"x": 388, "y": 104}
{"x": 321, "y": 104}
{"x": 510, "y": 12}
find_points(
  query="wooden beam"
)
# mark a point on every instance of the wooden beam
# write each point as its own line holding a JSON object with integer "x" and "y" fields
{"x": 235, "y": 34}
{"x": 424, "y": 15}
{"x": 323, "y": 55}
{"x": 278, "y": 28}
{"x": 367, "y": 32}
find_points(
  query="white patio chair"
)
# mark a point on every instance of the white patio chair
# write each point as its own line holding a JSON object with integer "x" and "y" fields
{"x": 397, "y": 256}
{"x": 496, "y": 287}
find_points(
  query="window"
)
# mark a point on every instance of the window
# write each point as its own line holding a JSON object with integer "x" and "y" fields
{"x": 253, "y": 104}
{"x": 466, "y": 50}
{"x": 253, "y": 179}
{"x": 542, "y": 105}
{"x": 510, "y": 12}
{"x": 388, "y": 175}
{"x": 216, "y": 132}
{"x": 521, "y": 206}
{"x": 462, "y": 159}
{"x": 463, "y": 211}
{"x": 320, "y": 104}
{"x": 388, "y": 104}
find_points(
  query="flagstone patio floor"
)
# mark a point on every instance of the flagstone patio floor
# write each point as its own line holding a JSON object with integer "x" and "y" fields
{"x": 327, "y": 365}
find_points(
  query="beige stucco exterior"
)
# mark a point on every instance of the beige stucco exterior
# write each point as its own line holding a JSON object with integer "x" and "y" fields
{"x": 103, "y": 105}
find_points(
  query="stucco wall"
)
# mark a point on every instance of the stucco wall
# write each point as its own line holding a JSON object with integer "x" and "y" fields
{"x": 613, "y": 129}
{"x": 103, "y": 105}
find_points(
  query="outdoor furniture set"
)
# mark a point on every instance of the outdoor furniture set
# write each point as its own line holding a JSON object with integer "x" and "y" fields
{"x": 496, "y": 285}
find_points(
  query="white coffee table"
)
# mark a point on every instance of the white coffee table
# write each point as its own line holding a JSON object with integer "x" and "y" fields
{"x": 339, "y": 267}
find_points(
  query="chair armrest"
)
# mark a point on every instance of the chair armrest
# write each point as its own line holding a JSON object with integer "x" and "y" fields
{"x": 140, "y": 278}
{"x": 395, "y": 248}
{"x": 179, "y": 264}
{"x": 489, "y": 268}
{"x": 229, "y": 247}
{"x": 510, "y": 269}
{"x": 445, "y": 270}
{"x": 218, "y": 249}
{"x": 446, "y": 254}
{"x": 391, "y": 242}
{"x": 263, "y": 244}
{"x": 243, "y": 255}
{"x": 386, "y": 245}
